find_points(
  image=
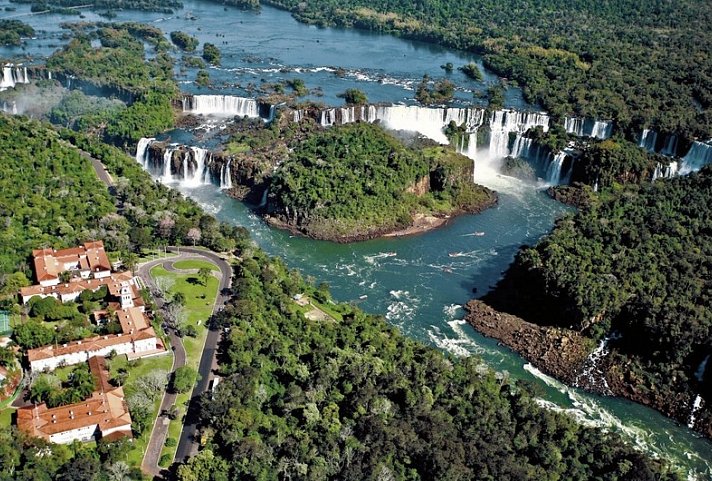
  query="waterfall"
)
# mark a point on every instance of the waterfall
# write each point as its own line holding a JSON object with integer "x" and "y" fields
{"x": 263, "y": 201}
{"x": 648, "y": 139}
{"x": 670, "y": 148}
{"x": 553, "y": 171}
{"x": 225, "y": 178}
{"x": 601, "y": 130}
{"x": 700, "y": 372}
{"x": 10, "y": 108}
{"x": 581, "y": 127}
{"x": 699, "y": 155}
{"x": 426, "y": 121}
{"x": 467, "y": 146}
{"x": 591, "y": 373}
{"x": 221, "y": 105}
{"x": 665, "y": 171}
{"x": 142, "y": 151}
{"x": 167, "y": 178}
{"x": 696, "y": 406}
{"x": 521, "y": 147}
{"x": 197, "y": 177}
{"x": 13, "y": 75}
{"x": 503, "y": 122}
{"x": 574, "y": 125}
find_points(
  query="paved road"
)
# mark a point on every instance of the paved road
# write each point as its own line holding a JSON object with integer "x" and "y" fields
{"x": 99, "y": 168}
{"x": 188, "y": 444}
{"x": 160, "y": 427}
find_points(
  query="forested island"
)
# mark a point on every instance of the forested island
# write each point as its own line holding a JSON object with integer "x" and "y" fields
{"x": 357, "y": 181}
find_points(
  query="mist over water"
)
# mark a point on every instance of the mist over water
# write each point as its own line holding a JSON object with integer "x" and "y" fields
{"x": 418, "y": 283}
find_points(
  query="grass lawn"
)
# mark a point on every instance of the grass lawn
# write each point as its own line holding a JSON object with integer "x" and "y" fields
{"x": 63, "y": 372}
{"x": 140, "y": 368}
{"x": 153, "y": 254}
{"x": 6, "y": 417}
{"x": 195, "y": 264}
{"x": 199, "y": 301}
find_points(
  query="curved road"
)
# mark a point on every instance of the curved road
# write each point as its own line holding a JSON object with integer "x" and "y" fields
{"x": 187, "y": 445}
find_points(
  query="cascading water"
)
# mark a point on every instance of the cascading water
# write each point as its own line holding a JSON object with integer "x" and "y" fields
{"x": 522, "y": 146}
{"x": 504, "y": 122}
{"x": 574, "y": 125}
{"x": 699, "y": 155}
{"x": 581, "y": 127}
{"x": 591, "y": 375}
{"x": 665, "y": 171}
{"x": 13, "y": 75}
{"x": 167, "y": 177}
{"x": 225, "y": 177}
{"x": 427, "y": 121}
{"x": 10, "y": 108}
{"x": 197, "y": 177}
{"x": 221, "y": 105}
{"x": 601, "y": 130}
{"x": 648, "y": 139}
{"x": 670, "y": 148}
{"x": 553, "y": 171}
{"x": 696, "y": 406}
{"x": 142, "y": 151}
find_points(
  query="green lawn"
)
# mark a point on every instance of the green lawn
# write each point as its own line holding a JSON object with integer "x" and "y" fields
{"x": 199, "y": 301}
{"x": 153, "y": 254}
{"x": 6, "y": 417}
{"x": 195, "y": 264}
{"x": 140, "y": 368}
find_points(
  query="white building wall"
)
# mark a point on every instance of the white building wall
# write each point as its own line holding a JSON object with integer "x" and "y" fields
{"x": 145, "y": 345}
{"x": 126, "y": 429}
{"x": 80, "y": 434}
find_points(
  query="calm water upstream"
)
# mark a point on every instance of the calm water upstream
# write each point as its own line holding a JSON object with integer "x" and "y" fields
{"x": 413, "y": 281}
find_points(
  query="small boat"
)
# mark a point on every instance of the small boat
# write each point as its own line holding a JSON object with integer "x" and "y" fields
{"x": 456, "y": 254}
{"x": 363, "y": 296}
{"x": 478, "y": 234}
{"x": 389, "y": 254}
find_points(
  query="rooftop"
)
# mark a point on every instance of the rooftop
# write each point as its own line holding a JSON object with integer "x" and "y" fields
{"x": 105, "y": 408}
{"x": 49, "y": 263}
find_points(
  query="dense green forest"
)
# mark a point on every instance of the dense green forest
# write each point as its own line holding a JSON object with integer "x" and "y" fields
{"x": 166, "y": 6}
{"x": 357, "y": 180}
{"x": 634, "y": 264}
{"x": 120, "y": 63}
{"x": 23, "y": 458}
{"x": 640, "y": 64}
{"x": 353, "y": 399}
{"x": 49, "y": 195}
{"x": 12, "y": 31}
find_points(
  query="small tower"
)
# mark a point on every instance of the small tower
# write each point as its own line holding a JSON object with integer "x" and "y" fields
{"x": 126, "y": 296}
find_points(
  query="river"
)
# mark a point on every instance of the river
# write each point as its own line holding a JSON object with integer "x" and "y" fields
{"x": 415, "y": 281}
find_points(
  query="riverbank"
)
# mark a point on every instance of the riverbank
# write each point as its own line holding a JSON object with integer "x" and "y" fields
{"x": 575, "y": 360}
{"x": 421, "y": 223}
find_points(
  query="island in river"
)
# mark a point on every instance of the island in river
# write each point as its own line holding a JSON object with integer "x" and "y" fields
{"x": 357, "y": 181}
